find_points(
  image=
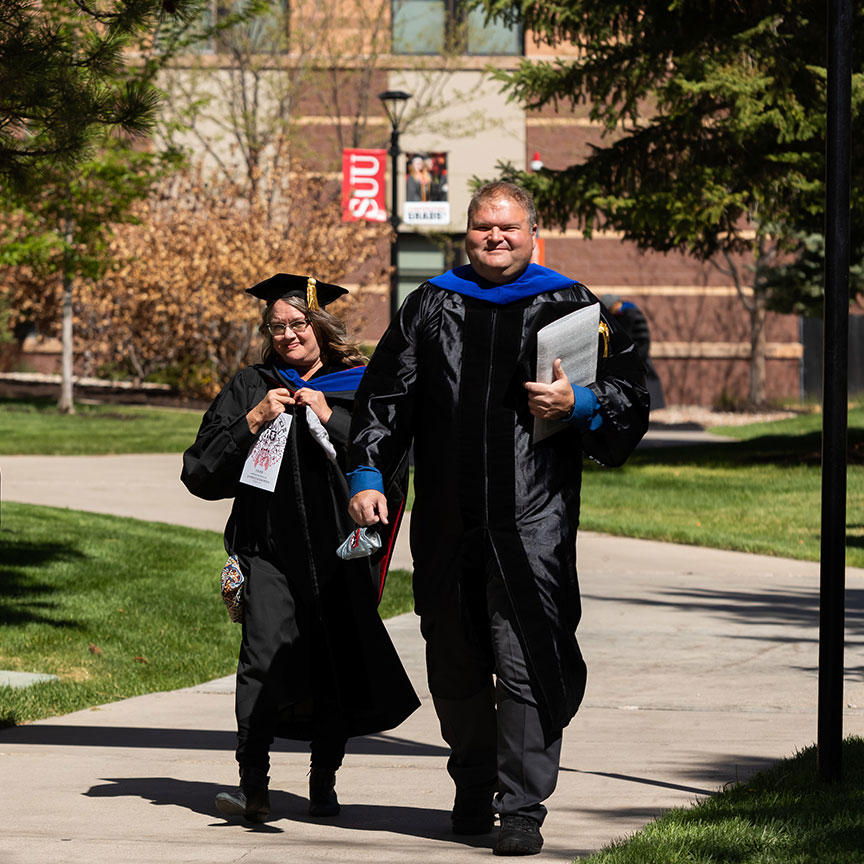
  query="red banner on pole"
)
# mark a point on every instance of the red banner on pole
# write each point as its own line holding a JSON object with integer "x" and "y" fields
{"x": 363, "y": 185}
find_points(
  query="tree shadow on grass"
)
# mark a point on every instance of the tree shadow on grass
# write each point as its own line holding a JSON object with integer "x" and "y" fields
{"x": 823, "y": 817}
{"x": 29, "y": 404}
{"x": 855, "y": 535}
{"x": 782, "y": 450}
{"x": 25, "y": 593}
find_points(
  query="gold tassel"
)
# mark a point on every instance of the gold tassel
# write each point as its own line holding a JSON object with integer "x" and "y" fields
{"x": 604, "y": 333}
{"x": 311, "y": 294}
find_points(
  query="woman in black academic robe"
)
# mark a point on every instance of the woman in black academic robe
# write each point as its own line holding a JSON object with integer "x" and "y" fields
{"x": 316, "y": 662}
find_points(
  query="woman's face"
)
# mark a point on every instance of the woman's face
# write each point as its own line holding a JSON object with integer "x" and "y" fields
{"x": 298, "y": 349}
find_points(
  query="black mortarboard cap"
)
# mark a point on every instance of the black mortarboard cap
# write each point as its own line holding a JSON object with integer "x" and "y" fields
{"x": 315, "y": 293}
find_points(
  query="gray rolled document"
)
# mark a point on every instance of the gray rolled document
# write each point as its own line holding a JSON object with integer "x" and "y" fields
{"x": 573, "y": 338}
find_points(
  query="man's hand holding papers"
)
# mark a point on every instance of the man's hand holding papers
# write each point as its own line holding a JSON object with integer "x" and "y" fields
{"x": 566, "y": 361}
{"x": 551, "y": 401}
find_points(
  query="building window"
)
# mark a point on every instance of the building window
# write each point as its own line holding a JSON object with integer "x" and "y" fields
{"x": 436, "y": 26}
{"x": 496, "y": 37}
{"x": 418, "y": 26}
{"x": 423, "y": 257}
{"x": 263, "y": 31}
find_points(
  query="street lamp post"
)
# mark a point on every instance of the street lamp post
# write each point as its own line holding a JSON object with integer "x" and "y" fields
{"x": 835, "y": 391}
{"x": 395, "y": 102}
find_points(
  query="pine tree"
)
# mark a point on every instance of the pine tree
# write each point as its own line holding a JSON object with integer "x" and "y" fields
{"x": 72, "y": 74}
{"x": 66, "y": 76}
{"x": 714, "y": 116}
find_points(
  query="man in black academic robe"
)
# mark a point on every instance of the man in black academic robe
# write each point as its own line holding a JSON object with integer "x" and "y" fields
{"x": 493, "y": 528}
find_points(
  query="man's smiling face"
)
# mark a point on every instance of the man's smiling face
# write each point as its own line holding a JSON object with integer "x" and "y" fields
{"x": 500, "y": 240}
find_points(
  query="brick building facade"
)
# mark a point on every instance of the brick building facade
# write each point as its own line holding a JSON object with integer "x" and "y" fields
{"x": 699, "y": 327}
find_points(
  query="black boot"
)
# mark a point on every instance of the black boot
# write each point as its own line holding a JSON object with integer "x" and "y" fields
{"x": 322, "y": 793}
{"x": 472, "y": 811}
{"x": 520, "y": 835}
{"x": 251, "y": 799}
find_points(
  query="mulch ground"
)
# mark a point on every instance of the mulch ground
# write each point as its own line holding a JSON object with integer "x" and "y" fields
{"x": 101, "y": 395}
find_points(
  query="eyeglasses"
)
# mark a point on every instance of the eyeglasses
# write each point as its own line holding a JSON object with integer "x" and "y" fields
{"x": 277, "y": 328}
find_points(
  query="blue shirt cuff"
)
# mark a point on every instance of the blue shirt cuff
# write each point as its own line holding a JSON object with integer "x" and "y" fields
{"x": 362, "y": 478}
{"x": 585, "y": 415}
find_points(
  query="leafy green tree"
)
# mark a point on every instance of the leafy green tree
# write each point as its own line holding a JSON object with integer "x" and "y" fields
{"x": 77, "y": 84}
{"x": 714, "y": 117}
{"x": 798, "y": 285}
{"x": 60, "y": 236}
{"x": 66, "y": 74}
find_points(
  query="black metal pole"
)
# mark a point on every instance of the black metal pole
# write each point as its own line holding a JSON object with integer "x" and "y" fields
{"x": 394, "y": 221}
{"x": 834, "y": 390}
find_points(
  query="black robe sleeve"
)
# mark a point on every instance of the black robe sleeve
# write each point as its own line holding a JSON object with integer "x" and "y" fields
{"x": 382, "y": 425}
{"x": 623, "y": 397}
{"x": 338, "y": 425}
{"x": 213, "y": 464}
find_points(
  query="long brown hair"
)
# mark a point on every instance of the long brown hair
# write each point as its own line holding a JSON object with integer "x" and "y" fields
{"x": 330, "y": 331}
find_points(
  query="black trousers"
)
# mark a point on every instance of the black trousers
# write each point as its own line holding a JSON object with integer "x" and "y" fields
{"x": 481, "y": 688}
{"x": 281, "y": 660}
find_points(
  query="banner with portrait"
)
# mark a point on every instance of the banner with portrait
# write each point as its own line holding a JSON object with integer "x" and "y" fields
{"x": 426, "y": 193}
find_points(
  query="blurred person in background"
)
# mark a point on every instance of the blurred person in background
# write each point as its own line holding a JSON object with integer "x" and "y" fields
{"x": 634, "y": 322}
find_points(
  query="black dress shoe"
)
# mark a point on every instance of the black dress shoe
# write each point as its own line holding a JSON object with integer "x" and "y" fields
{"x": 322, "y": 793}
{"x": 520, "y": 835}
{"x": 251, "y": 799}
{"x": 472, "y": 812}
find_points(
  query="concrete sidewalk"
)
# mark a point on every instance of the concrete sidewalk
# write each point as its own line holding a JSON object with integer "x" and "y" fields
{"x": 147, "y": 486}
{"x": 702, "y": 669}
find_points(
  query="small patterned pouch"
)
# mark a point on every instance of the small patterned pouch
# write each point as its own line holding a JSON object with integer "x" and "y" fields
{"x": 232, "y": 589}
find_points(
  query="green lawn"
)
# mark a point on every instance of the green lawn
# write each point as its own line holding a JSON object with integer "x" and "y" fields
{"x": 759, "y": 494}
{"x": 36, "y": 426}
{"x": 115, "y": 607}
{"x": 785, "y": 815}
{"x": 802, "y": 424}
